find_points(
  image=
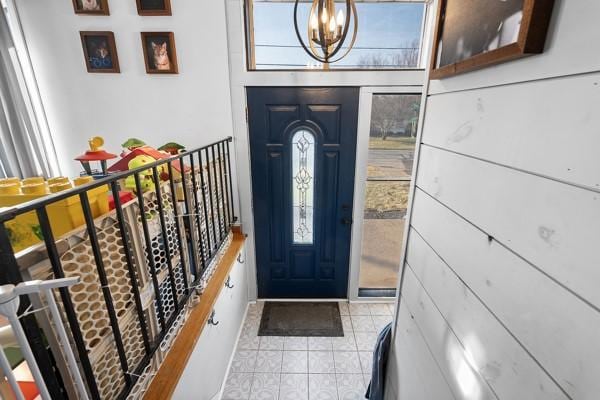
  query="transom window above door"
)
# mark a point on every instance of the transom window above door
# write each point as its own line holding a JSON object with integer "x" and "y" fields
{"x": 389, "y": 35}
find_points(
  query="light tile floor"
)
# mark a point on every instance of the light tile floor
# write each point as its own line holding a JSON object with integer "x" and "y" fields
{"x": 307, "y": 368}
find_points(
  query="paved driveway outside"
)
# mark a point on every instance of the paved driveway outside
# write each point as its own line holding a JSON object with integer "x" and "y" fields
{"x": 380, "y": 261}
{"x": 390, "y": 163}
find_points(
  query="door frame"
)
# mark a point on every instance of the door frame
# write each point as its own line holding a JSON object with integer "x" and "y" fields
{"x": 360, "y": 176}
{"x": 240, "y": 78}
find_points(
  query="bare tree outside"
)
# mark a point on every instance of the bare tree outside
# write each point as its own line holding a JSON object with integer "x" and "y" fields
{"x": 408, "y": 57}
{"x": 394, "y": 116}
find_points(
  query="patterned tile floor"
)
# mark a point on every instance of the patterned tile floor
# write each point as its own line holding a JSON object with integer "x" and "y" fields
{"x": 307, "y": 368}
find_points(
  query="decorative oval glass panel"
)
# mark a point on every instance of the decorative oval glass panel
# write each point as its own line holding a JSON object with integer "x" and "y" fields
{"x": 303, "y": 172}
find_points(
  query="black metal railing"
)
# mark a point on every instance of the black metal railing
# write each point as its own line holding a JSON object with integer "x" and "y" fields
{"x": 139, "y": 265}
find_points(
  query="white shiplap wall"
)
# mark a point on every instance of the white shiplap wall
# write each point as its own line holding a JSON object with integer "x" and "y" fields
{"x": 501, "y": 287}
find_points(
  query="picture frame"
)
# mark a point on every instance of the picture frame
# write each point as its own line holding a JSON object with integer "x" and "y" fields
{"x": 153, "y": 7}
{"x": 486, "y": 34}
{"x": 91, "y": 7}
{"x": 100, "y": 51}
{"x": 160, "y": 54}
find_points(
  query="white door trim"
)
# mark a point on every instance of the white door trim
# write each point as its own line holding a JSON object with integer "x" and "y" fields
{"x": 360, "y": 177}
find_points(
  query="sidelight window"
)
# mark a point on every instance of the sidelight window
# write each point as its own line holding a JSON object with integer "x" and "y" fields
{"x": 392, "y": 141}
{"x": 303, "y": 172}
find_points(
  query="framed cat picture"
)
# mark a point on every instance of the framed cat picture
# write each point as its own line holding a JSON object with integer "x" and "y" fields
{"x": 153, "y": 7}
{"x": 91, "y": 7}
{"x": 160, "y": 55}
{"x": 100, "y": 51}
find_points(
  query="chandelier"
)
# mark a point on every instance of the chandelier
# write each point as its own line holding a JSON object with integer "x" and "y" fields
{"x": 327, "y": 31}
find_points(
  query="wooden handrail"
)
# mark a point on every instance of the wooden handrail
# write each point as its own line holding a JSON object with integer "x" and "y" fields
{"x": 168, "y": 375}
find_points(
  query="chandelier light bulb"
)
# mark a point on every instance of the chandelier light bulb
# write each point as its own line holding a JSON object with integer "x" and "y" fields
{"x": 340, "y": 18}
{"x": 332, "y": 24}
{"x": 324, "y": 16}
{"x": 314, "y": 23}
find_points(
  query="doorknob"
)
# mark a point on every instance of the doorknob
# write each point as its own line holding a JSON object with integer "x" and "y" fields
{"x": 347, "y": 221}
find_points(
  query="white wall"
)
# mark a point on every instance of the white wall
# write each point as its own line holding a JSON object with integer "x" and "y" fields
{"x": 192, "y": 108}
{"x": 500, "y": 295}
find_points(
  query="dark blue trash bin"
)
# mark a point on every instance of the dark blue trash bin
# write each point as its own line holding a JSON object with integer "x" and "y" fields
{"x": 376, "y": 387}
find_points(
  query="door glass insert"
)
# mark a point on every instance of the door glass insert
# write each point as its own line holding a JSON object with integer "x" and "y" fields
{"x": 392, "y": 140}
{"x": 303, "y": 172}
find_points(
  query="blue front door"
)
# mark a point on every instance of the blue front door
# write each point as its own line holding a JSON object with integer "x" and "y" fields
{"x": 303, "y": 148}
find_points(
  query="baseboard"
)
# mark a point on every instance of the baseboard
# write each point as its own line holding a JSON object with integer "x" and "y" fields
{"x": 304, "y": 300}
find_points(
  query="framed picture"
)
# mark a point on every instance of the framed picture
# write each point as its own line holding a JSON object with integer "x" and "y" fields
{"x": 91, "y": 7}
{"x": 100, "y": 51}
{"x": 472, "y": 34}
{"x": 153, "y": 7}
{"x": 160, "y": 55}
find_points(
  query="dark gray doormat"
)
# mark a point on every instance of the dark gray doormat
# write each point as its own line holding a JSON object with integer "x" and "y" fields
{"x": 301, "y": 319}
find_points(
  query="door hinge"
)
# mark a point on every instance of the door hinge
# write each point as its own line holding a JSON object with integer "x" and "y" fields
{"x": 246, "y": 114}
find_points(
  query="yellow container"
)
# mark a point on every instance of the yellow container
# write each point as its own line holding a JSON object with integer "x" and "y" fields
{"x": 34, "y": 189}
{"x": 10, "y": 188}
{"x": 64, "y": 215}
{"x": 6, "y": 181}
{"x": 35, "y": 179}
{"x": 58, "y": 179}
{"x": 59, "y": 187}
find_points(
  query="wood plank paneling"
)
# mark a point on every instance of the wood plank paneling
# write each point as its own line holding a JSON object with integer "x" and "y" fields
{"x": 499, "y": 124}
{"x": 557, "y": 329}
{"x": 412, "y": 368}
{"x": 505, "y": 222}
{"x": 455, "y": 363}
{"x": 546, "y": 222}
{"x": 505, "y": 365}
